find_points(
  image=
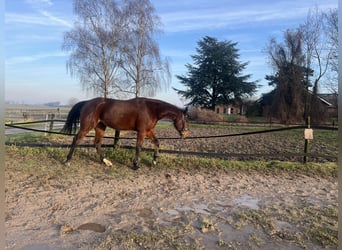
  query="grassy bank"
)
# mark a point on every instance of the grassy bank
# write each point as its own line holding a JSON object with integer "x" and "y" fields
{"x": 32, "y": 158}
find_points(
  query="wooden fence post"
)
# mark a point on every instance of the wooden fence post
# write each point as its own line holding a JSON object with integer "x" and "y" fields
{"x": 46, "y": 125}
{"x": 52, "y": 117}
{"x": 308, "y": 135}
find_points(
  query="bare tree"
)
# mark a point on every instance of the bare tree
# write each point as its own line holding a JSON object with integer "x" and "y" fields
{"x": 331, "y": 31}
{"x": 93, "y": 44}
{"x": 143, "y": 68}
{"x": 289, "y": 80}
{"x": 113, "y": 49}
{"x": 318, "y": 56}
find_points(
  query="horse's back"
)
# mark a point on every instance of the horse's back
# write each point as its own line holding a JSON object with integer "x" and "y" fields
{"x": 133, "y": 114}
{"x": 124, "y": 114}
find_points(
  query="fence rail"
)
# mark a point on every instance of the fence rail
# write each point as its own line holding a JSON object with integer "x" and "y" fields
{"x": 178, "y": 152}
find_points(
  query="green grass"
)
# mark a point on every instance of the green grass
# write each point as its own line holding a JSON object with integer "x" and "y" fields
{"x": 33, "y": 137}
{"x": 326, "y": 140}
{"x": 161, "y": 238}
{"x": 309, "y": 223}
{"x": 28, "y": 158}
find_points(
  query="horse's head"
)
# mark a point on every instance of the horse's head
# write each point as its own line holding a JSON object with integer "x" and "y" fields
{"x": 181, "y": 123}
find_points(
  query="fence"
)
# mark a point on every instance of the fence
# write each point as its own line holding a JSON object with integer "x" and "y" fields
{"x": 49, "y": 128}
{"x": 15, "y": 113}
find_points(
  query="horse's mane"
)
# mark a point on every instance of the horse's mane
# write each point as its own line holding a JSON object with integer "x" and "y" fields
{"x": 158, "y": 102}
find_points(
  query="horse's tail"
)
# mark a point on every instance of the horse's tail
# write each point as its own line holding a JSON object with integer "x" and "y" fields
{"x": 73, "y": 118}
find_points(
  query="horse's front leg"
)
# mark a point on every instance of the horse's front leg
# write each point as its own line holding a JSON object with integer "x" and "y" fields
{"x": 140, "y": 141}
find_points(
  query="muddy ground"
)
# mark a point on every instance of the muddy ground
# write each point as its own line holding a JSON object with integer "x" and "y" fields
{"x": 88, "y": 207}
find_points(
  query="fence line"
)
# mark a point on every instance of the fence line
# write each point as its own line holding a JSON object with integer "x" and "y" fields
{"x": 171, "y": 138}
{"x": 187, "y": 153}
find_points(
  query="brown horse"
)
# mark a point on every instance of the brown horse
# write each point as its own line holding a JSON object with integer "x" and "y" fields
{"x": 138, "y": 114}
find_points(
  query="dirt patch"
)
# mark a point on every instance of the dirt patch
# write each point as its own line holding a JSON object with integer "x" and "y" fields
{"x": 209, "y": 208}
{"x": 86, "y": 206}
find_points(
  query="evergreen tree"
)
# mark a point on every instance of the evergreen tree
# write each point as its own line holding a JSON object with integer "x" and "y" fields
{"x": 216, "y": 76}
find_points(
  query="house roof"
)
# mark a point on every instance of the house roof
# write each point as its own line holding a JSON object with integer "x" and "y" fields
{"x": 329, "y": 99}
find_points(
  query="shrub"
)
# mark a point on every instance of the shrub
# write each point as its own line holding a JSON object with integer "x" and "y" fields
{"x": 241, "y": 118}
{"x": 204, "y": 115}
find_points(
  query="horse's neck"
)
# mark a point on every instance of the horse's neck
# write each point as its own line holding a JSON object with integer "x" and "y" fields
{"x": 168, "y": 111}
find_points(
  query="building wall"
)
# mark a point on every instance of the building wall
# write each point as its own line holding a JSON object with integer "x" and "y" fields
{"x": 227, "y": 109}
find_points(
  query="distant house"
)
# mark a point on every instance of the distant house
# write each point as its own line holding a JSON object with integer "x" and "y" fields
{"x": 230, "y": 109}
{"x": 329, "y": 102}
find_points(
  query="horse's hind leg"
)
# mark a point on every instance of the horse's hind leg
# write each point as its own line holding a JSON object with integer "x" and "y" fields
{"x": 77, "y": 139}
{"x": 140, "y": 141}
{"x": 99, "y": 134}
{"x": 155, "y": 142}
{"x": 116, "y": 138}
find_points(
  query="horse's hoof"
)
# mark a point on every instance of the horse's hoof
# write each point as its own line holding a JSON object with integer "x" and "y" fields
{"x": 67, "y": 163}
{"x": 135, "y": 167}
{"x": 107, "y": 162}
{"x": 154, "y": 163}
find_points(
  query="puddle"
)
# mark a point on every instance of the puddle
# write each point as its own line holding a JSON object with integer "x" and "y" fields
{"x": 184, "y": 209}
{"x": 92, "y": 227}
{"x": 178, "y": 210}
{"x": 216, "y": 207}
{"x": 36, "y": 247}
{"x": 223, "y": 204}
{"x": 201, "y": 209}
{"x": 283, "y": 225}
{"x": 172, "y": 212}
{"x": 196, "y": 208}
{"x": 247, "y": 201}
{"x": 145, "y": 213}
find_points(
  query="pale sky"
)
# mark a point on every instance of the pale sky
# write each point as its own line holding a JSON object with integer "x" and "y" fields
{"x": 35, "y": 65}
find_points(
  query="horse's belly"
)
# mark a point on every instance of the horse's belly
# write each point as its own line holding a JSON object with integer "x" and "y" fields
{"x": 120, "y": 118}
{"x": 122, "y": 124}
